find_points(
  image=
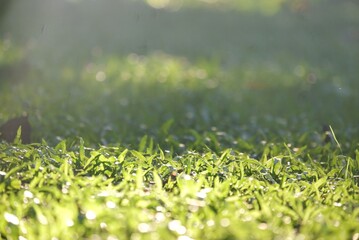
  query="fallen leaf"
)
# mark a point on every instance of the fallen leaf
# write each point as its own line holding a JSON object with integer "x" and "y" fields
{"x": 9, "y": 129}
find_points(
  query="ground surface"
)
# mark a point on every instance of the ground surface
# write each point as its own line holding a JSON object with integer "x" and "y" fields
{"x": 201, "y": 123}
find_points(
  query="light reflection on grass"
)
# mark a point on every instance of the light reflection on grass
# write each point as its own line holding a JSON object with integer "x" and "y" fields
{"x": 194, "y": 124}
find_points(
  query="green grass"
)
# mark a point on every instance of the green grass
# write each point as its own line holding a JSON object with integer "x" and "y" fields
{"x": 115, "y": 192}
{"x": 142, "y": 132}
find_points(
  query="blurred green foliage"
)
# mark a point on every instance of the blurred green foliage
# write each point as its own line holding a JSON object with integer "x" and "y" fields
{"x": 248, "y": 75}
{"x": 266, "y": 7}
{"x": 9, "y": 54}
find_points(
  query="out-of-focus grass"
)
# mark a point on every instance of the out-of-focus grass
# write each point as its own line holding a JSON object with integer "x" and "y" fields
{"x": 115, "y": 99}
{"x": 240, "y": 74}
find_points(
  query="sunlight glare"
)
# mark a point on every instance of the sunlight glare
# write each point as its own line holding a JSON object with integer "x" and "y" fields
{"x": 90, "y": 215}
{"x": 158, "y": 3}
{"x": 11, "y": 218}
{"x": 100, "y": 76}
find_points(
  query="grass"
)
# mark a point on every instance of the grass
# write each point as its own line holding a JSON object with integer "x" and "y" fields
{"x": 114, "y": 192}
{"x": 150, "y": 135}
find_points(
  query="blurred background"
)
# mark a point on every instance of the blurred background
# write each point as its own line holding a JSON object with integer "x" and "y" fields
{"x": 233, "y": 31}
{"x": 130, "y": 66}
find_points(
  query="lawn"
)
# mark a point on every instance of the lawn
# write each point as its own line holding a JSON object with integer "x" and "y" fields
{"x": 210, "y": 121}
